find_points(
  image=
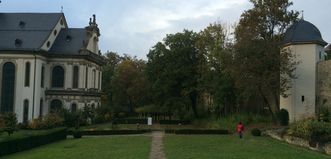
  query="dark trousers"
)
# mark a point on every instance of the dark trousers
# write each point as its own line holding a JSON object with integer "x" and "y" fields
{"x": 240, "y": 134}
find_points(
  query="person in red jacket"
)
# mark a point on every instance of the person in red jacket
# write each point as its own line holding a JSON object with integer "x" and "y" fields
{"x": 240, "y": 129}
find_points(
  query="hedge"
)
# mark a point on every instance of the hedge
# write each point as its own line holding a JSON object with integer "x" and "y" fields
{"x": 130, "y": 121}
{"x": 197, "y": 131}
{"x": 24, "y": 143}
{"x": 175, "y": 122}
{"x": 111, "y": 132}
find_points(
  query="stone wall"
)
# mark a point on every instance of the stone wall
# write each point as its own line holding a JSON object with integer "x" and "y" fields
{"x": 323, "y": 84}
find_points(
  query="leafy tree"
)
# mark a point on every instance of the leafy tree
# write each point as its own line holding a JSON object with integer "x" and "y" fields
{"x": 257, "y": 57}
{"x": 10, "y": 121}
{"x": 129, "y": 85}
{"x": 172, "y": 69}
{"x": 215, "y": 50}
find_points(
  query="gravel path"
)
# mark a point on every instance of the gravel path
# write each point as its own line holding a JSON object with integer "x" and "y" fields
{"x": 157, "y": 146}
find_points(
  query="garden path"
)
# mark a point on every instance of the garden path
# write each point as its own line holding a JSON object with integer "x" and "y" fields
{"x": 157, "y": 146}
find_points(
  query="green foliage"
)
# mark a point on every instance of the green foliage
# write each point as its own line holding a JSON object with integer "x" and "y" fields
{"x": 14, "y": 145}
{"x": 257, "y": 55}
{"x": 324, "y": 114}
{"x": 256, "y": 132}
{"x": 283, "y": 117}
{"x": 77, "y": 134}
{"x": 52, "y": 120}
{"x": 10, "y": 121}
{"x": 197, "y": 131}
{"x": 2, "y": 124}
{"x": 311, "y": 130}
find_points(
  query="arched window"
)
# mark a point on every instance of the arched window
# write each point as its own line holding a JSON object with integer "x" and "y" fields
{"x": 58, "y": 77}
{"x": 41, "y": 107}
{"x": 42, "y": 77}
{"x": 25, "y": 111}
{"x": 75, "y": 77}
{"x": 73, "y": 107}
{"x": 93, "y": 106}
{"x": 56, "y": 105}
{"x": 27, "y": 74}
{"x": 8, "y": 87}
{"x": 86, "y": 76}
{"x": 99, "y": 79}
{"x": 94, "y": 78}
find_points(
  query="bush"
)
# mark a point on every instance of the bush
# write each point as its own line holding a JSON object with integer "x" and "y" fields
{"x": 256, "y": 132}
{"x": 175, "y": 122}
{"x": 36, "y": 124}
{"x": 283, "y": 117}
{"x": 324, "y": 114}
{"x": 52, "y": 120}
{"x": 111, "y": 132}
{"x": 27, "y": 142}
{"x": 130, "y": 121}
{"x": 77, "y": 134}
{"x": 197, "y": 131}
{"x": 10, "y": 121}
{"x": 311, "y": 130}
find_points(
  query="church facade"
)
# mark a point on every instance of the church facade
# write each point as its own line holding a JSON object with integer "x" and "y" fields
{"x": 305, "y": 42}
{"x": 46, "y": 66}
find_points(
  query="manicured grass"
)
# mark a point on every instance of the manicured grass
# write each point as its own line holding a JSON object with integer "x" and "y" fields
{"x": 231, "y": 147}
{"x": 112, "y": 147}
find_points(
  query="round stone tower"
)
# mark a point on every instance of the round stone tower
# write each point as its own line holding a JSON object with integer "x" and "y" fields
{"x": 305, "y": 42}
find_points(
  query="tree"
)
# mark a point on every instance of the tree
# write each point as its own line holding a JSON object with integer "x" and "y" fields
{"x": 129, "y": 85}
{"x": 215, "y": 51}
{"x": 257, "y": 57}
{"x": 172, "y": 69}
{"x": 10, "y": 121}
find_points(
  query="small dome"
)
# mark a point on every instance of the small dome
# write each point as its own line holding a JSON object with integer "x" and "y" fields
{"x": 303, "y": 32}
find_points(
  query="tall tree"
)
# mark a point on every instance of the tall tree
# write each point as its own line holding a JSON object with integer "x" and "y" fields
{"x": 257, "y": 56}
{"x": 172, "y": 68}
{"x": 215, "y": 51}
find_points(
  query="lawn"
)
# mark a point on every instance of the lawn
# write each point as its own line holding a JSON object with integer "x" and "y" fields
{"x": 112, "y": 147}
{"x": 230, "y": 147}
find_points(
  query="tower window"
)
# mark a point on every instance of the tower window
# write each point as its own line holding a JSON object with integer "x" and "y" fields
{"x": 302, "y": 98}
{"x": 75, "y": 77}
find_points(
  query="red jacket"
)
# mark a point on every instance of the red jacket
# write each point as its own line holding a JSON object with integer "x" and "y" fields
{"x": 240, "y": 128}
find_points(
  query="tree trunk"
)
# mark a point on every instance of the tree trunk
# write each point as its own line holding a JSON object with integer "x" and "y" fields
{"x": 193, "y": 98}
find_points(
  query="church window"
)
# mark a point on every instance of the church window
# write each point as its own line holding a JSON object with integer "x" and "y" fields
{"x": 99, "y": 78}
{"x": 73, "y": 107}
{"x": 8, "y": 87}
{"x": 42, "y": 77}
{"x": 41, "y": 107}
{"x": 75, "y": 77}
{"x": 86, "y": 76}
{"x": 56, "y": 105}
{"x": 302, "y": 98}
{"x": 58, "y": 77}
{"x": 94, "y": 78}
{"x": 55, "y": 32}
{"x": 27, "y": 74}
{"x": 25, "y": 111}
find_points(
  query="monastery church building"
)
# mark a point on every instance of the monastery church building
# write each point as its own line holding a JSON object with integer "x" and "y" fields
{"x": 311, "y": 89}
{"x": 46, "y": 66}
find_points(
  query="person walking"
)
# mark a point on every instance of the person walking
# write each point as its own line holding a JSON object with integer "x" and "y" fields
{"x": 240, "y": 129}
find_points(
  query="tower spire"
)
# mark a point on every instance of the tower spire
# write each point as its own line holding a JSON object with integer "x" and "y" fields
{"x": 302, "y": 15}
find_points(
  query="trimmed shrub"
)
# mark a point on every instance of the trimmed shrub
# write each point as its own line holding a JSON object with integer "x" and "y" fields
{"x": 311, "y": 130}
{"x": 14, "y": 145}
{"x": 175, "y": 122}
{"x": 10, "y": 121}
{"x": 111, "y": 132}
{"x": 256, "y": 132}
{"x": 77, "y": 134}
{"x": 36, "y": 124}
{"x": 197, "y": 131}
{"x": 283, "y": 117}
{"x": 130, "y": 121}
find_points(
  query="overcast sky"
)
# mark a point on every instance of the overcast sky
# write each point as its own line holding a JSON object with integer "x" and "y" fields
{"x": 134, "y": 26}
